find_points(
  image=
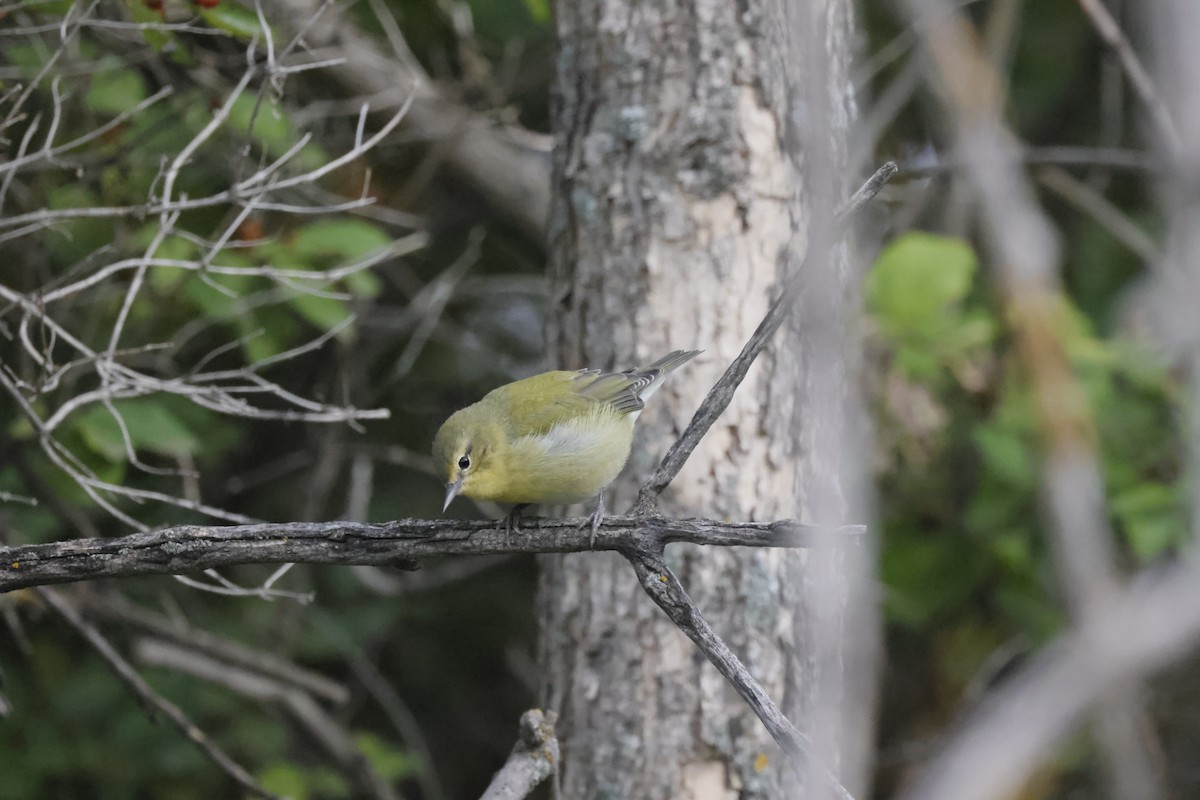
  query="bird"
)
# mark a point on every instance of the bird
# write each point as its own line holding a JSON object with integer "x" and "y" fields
{"x": 560, "y": 437}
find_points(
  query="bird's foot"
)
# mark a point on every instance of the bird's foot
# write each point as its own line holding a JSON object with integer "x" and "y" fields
{"x": 594, "y": 520}
{"x": 512, "y": 522}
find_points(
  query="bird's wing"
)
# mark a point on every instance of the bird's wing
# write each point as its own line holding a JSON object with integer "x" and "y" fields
{"x": 628, "y": 391}
{"x": 534, "y": 405}
{"x": 620, "y": 390}
{"x": 531, "y": 407}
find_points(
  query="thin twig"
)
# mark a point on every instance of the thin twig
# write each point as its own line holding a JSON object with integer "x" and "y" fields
{"x": 193, "y": 548}
{"x": 666, "y": 590}
{"x": 1091, "y": 202}
{"x": 150, "y": 698}
{"x": 1139, "y": 76}
{"x": 1050, "y": 156}
{"x": 331, "y": 735}
{"x": 118, "y": 609}
{"x": 1145, "y": 628}
{"x": 722, "y": 392}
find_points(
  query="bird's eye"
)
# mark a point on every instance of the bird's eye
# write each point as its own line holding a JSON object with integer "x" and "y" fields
{"x": 464, "y": 462}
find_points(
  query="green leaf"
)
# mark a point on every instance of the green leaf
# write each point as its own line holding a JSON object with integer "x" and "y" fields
{"x": 1014, "y": 550}
{"x": 151, "y": 426}
{"x": 329, "y": 242}
{"x": 233, "y": 19}
{"x": 324, "y": 312}
{"x": 928, "y": 575}
{"x": 285, "y": 780}
{"x": 388, "y": 760}
{"x": 916, "y": 281}
{"x": 363, "y": 284}
{"x": 1030, "y": 609}
{"x": 1151, "y": 516}
{"x": 1005, "y": 454}
{"x": 82, "y": 236}
{"x": 271, "y": 130}
{"x": 220, "y": 295}
{"x": 116, "y": 90}
{"x": 155, "y": 37}
{"x": 539, "y": 10}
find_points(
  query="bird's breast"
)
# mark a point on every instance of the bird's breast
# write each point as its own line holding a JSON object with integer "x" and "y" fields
{"x": 570, "y": 462}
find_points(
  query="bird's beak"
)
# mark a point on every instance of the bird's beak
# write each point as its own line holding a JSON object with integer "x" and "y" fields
{"x": 452, "y": 490}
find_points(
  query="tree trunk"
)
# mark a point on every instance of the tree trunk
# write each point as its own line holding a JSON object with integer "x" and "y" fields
{"x": 678, "y": 207}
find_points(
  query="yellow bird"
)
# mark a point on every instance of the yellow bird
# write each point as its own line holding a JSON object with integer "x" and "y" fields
{"x": 557, "y": 437}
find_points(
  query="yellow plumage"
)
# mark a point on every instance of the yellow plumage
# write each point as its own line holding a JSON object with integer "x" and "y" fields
{"x": 558, "y": 437}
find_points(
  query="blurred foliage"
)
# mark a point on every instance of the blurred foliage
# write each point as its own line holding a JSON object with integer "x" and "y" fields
{"x": 969, "y": 583}
{"x": 945, "y": 373}
{"x": 75, "y": 730}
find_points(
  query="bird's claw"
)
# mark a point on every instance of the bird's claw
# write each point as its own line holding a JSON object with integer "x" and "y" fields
{"x": 594, "y": 519}
{"x": 512, "y": 522}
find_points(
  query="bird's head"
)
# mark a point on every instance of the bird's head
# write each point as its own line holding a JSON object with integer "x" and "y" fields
{"x": 467, "y": 453}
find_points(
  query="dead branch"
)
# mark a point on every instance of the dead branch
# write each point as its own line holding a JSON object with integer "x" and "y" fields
{"x": 151, "y": 699}
{"x": 193, "y": 548}
{"x": 534, "y": 758}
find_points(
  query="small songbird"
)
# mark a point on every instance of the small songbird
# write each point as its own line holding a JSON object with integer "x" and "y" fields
{"x": 557, "y": 437}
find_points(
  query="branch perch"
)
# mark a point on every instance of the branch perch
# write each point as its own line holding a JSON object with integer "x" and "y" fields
{"x": 193, "y": 548}
{"x": 666, "y": 590}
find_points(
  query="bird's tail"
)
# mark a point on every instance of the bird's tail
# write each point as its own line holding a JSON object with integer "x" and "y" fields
{"x": 671, "y": 361}
{"x": 650, "y": 377}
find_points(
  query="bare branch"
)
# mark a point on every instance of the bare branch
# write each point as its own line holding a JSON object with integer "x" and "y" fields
{"x": 1059, "y": 156}
{"x": 1025, "y": 249}
{"x": 117, "y": 609}
{"x": 1112, "y": 219}
{"x": 509, "y": 166}
{"x": 1144, "y": 629}
{"x": 150, "y": 698}
{"x": 1102, "y": 19}
{"x": 331, "y": 735}
{"x": 665, "y": 589}
{"x": 534, "y": 758}
{"x": 192, "y": 548}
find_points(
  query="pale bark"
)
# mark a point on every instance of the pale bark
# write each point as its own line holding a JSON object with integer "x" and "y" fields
{"x": 675, "y": 216}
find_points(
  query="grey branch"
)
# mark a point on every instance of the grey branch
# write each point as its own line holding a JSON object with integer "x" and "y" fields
{"x": 115, "y": 608}
{"x": 507, "y": 165}
{"x": 666, "y": 590}
{"x": 534, "y": 758}
{"x": 721, "y": 394}
{"x": 1115, "y": 158}
{"x": 1143, "y": 629}
{"x": 322, "y": 727}
{"x": 192, "y": 548}
{"x": 151, "y": 699}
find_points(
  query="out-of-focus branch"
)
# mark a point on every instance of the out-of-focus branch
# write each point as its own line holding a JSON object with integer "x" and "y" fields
{"x": 665, "y": 589}
{"x": 1139, "y": 77}
{"x": 1112, "y": 219}
{"x": 192, "y": 548}
{"x": 1025, "y": 250}
{"x": 1050, "y": 156}
{"x": 269, "y": 665}
{"x": 1144, "y": 629}
{"x": 508, "y": 166}
{"x": 534, "y": 758}
{"x": 308, "y": 714}
{"x": 151, "y": 699}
